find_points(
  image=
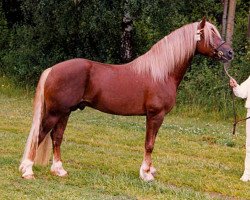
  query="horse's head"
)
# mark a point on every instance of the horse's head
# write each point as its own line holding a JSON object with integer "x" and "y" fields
{"x": 210, "y": 43}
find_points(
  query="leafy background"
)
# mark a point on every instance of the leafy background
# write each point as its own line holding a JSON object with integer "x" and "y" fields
{"x": 46, "y": 32}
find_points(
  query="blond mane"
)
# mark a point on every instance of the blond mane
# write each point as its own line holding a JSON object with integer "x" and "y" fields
{"x": 171, "y": 51}
{"x": 209, "y": 30}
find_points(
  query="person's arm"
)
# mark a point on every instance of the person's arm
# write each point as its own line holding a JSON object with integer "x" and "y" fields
{"x": 240, "y": 90}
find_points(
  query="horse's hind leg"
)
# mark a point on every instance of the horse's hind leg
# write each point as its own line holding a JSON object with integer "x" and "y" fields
{"x": 57, "y": 136}
{"x": 39, "y": 148}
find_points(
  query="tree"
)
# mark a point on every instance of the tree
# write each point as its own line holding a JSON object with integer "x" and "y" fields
{"x": 230, "y": 21}
{"x": 224, "y": 18}
{"x": 126, "y": 39}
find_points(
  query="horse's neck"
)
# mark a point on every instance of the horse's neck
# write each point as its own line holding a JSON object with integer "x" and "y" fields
{"x": 180, "y": 71}
{"x": 169, "y": 56}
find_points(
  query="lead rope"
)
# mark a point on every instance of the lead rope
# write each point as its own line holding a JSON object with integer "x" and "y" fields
{"x": 234, "y": 109}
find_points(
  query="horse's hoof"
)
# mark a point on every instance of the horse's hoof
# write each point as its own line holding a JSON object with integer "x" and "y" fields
{"x": 245, "y": 177}
{"x": 28, "y": 177}
{"x": 61, "y": 173}
{"x": 57, "y": 169}
{"x": 153, "y": 171}
{"x": 146, "y": 175}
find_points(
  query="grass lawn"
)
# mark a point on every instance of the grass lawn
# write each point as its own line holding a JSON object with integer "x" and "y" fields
{"x": 196, "y": 158}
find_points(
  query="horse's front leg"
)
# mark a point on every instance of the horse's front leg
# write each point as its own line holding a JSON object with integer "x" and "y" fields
{"x": 154, "y": 121}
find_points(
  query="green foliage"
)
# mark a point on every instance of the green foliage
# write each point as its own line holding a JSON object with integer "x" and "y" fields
{"x": 53, "y": 31}
{"x": 4, "y": 39}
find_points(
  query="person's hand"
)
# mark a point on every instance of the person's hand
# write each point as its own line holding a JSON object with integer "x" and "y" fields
{"x": 233, "y": 83}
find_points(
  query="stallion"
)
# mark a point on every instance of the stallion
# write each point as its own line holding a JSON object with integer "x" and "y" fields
{"x": 145, "y": 86}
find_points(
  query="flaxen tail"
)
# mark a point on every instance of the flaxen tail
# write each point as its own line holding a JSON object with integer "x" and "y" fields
{"x": 41, "y": 153}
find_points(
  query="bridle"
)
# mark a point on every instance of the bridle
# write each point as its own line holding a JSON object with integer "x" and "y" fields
{"x": 217, "y": 52}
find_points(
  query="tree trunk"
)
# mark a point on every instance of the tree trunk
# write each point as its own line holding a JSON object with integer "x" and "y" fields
{"x": 224, "y": 18}
{"x": 230, "y": 25}
{"x": 126, "y": 39}
{"x": 230, "y": 21}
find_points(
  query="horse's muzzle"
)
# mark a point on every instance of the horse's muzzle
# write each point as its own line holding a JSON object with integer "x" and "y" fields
{"x": 225, "y": 56}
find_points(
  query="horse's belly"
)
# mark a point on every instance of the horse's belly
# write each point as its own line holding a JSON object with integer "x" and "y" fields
{"x": 117, "y": 105}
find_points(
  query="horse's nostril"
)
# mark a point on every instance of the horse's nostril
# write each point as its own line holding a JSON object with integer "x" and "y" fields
{"x": 230, "y": 52}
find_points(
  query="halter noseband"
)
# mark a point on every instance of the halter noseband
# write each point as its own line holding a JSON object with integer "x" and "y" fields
{"x": 217, "y": 51}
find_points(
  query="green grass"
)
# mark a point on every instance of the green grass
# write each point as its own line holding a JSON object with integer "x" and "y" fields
{"x": 196, "y": 157}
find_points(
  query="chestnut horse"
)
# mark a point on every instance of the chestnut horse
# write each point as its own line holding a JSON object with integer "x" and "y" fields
{"x": 146, "y": 86}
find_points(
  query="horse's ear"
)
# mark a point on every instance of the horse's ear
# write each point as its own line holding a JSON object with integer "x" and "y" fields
{"x": 202, "y": 23}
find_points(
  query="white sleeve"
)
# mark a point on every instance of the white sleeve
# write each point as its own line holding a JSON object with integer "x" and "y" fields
{"x": 241, "y": 90}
